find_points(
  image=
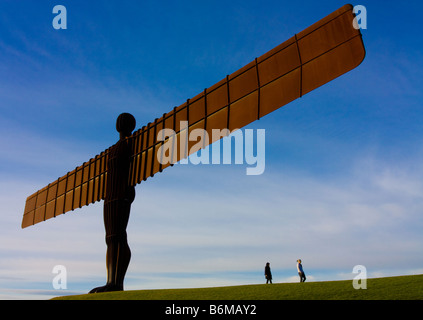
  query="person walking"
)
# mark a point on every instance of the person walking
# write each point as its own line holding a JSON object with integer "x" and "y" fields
{"x": 268, "y": 273}
{"x": 301, "y": 271}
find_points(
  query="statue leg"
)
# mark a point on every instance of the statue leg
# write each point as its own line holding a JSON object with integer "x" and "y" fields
{"x": 118, "y": 256}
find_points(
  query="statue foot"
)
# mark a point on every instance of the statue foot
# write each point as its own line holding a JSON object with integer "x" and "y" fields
{"x": 107, "y": 288}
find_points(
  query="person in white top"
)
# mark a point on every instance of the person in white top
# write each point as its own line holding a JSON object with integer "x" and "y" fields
{"x": 301, "y": 271}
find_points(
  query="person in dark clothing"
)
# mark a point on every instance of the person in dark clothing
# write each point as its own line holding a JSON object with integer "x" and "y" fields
{"x": 268, "y": 273}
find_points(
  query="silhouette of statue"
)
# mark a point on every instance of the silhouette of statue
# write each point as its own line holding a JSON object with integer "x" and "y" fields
{"x": 117, "y": 206}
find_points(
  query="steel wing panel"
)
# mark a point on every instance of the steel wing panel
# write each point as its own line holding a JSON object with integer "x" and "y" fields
{"x": 80, "y": 187}
{"x": 308, "y": 60}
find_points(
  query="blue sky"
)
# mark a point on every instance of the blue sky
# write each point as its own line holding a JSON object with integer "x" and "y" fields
{"x": 343, "y": 179}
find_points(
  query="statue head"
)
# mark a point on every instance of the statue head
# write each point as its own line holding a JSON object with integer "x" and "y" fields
{"x": 125, "y": 123}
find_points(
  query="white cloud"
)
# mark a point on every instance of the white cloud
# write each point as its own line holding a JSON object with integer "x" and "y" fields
{"x": 332, "y": 222}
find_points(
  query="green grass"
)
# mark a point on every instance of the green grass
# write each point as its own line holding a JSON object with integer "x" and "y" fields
{"x": 390, "y": 288}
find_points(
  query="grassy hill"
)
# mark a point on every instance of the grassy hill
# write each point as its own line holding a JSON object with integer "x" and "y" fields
{"x": 390, "y": 288}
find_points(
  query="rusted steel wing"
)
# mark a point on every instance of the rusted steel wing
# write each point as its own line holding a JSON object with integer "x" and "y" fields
{"x": 308, "y": 60}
